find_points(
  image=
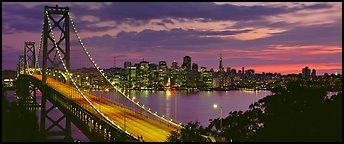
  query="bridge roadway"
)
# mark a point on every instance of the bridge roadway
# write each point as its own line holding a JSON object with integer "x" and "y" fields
{"x": 136, "y": 124}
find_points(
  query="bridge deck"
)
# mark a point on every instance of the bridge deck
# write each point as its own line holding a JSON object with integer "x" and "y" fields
{"x": 136, "y": 124}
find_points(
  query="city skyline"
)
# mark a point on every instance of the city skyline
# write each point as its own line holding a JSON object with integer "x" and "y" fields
{"x": 266, "y": 37}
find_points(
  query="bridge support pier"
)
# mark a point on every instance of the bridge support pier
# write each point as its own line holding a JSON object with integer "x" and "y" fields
{"x": 47, "y": 130}
{"x": 26, "y": 92}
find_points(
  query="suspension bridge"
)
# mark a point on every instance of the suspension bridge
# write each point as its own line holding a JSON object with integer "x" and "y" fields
{"x": 98, "y": 118}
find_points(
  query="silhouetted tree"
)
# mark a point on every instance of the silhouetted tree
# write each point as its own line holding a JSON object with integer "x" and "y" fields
{"x": 190, "y": 133}
{"x": 298, "y": 111}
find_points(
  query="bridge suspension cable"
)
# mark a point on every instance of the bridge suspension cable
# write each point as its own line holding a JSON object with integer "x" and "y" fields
{"x": 69, "y": 75}
{"x": 108, "y": 80}
{"x": 40, "y": 45}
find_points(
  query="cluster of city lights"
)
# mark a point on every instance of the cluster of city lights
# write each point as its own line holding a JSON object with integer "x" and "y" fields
{"x": 103, "y": 74}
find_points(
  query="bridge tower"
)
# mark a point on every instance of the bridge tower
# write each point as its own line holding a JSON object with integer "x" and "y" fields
{"x": 63, "y": 43}
{"x": 26, "y": 90}
{"x": 29, "y": 56}
{"x": 20, "y": 65}
{"x": 58, "y": 17}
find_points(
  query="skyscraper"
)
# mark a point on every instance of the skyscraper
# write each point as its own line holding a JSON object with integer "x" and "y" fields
{"x": 144, "y": 69}
{"x": 186, "y": 63}
{"x": 220, "y": 64}
{"x": 314, "y": 73}
{"x": 175, "y": 75}
{"x": 186, "y": 68}
{"x": 163, "y": 73}
{"x": 306, "y": 72}
{"x": 194, "y": 67}
{"x": 220, "y": 72}
{"x": 174, "y": 63}
{"x": 243, "y": 71}
{"x": 233, "y": 72}
{"x": 228, "y": 70}
{"x": 153, "y": 74}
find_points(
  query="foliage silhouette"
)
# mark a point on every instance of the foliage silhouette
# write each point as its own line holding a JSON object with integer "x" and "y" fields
{"x": 295, "y": 112}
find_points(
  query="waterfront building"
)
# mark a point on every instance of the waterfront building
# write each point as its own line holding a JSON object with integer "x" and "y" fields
{"x": 185, "y": 72}
{"x": 144, "y": 73}
{"x": 175, "y": 75}
{"x": 162, "y": 73}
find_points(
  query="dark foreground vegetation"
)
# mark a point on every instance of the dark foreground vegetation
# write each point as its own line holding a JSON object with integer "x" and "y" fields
{"x": 295, "y": 112}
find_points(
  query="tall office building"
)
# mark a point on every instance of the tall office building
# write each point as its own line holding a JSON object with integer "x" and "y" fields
{"x": 174, "y": 63}
{"x": 186, "y": 63}
{"x": 221, "y": 72}
{"x": 313, "y": 73}
{"x": 233, "y": 72}
{"x": 163, "y": 73}
{"x": 144, "y": 71}
{"x": 203, "y": 69}
{"x": 175, "y": 75}
{"x": 194, "y": 75}
{"x": 194, "y": 67}
{"x": 243, "y": 71}
{"x": 126, "y": 73}
{"x": 153, "y": 74}
{"x": 250, "y": 72}
{"x": 306, "y": 72}
{"x": 185, "y": 72}
{"x": 132, "y": 77}
{"x": 208, "y": 77}
{"x": 221, "y": 69}
{"x": 228, "y": 70}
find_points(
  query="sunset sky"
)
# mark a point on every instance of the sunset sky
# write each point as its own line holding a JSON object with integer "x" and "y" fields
{"x": 268, "y": 37}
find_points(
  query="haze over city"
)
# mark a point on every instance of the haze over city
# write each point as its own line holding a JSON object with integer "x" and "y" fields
{"x": 268, "y": 37}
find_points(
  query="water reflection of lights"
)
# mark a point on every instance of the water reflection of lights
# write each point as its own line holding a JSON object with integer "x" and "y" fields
{"x": 168, "y": 93}
{"x": 146, "y": 93}
{"x": 209, "y": 93}
{"x": 246, "y": 90}
{"x": 167, "y": 105}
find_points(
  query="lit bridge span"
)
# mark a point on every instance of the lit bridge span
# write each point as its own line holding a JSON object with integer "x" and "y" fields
{"x": 99, "y": 119}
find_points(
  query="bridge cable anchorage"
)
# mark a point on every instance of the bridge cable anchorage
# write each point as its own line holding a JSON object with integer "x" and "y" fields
{"x": 121, "y": 92}
{"x": 64, "y": 66}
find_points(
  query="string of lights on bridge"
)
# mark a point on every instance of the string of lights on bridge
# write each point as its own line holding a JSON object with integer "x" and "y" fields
{"x": 40, "y": 45}
{"x": 100, "y": 71}
{"x": 104, "y": 76}
{"x": 69, "y": 75}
